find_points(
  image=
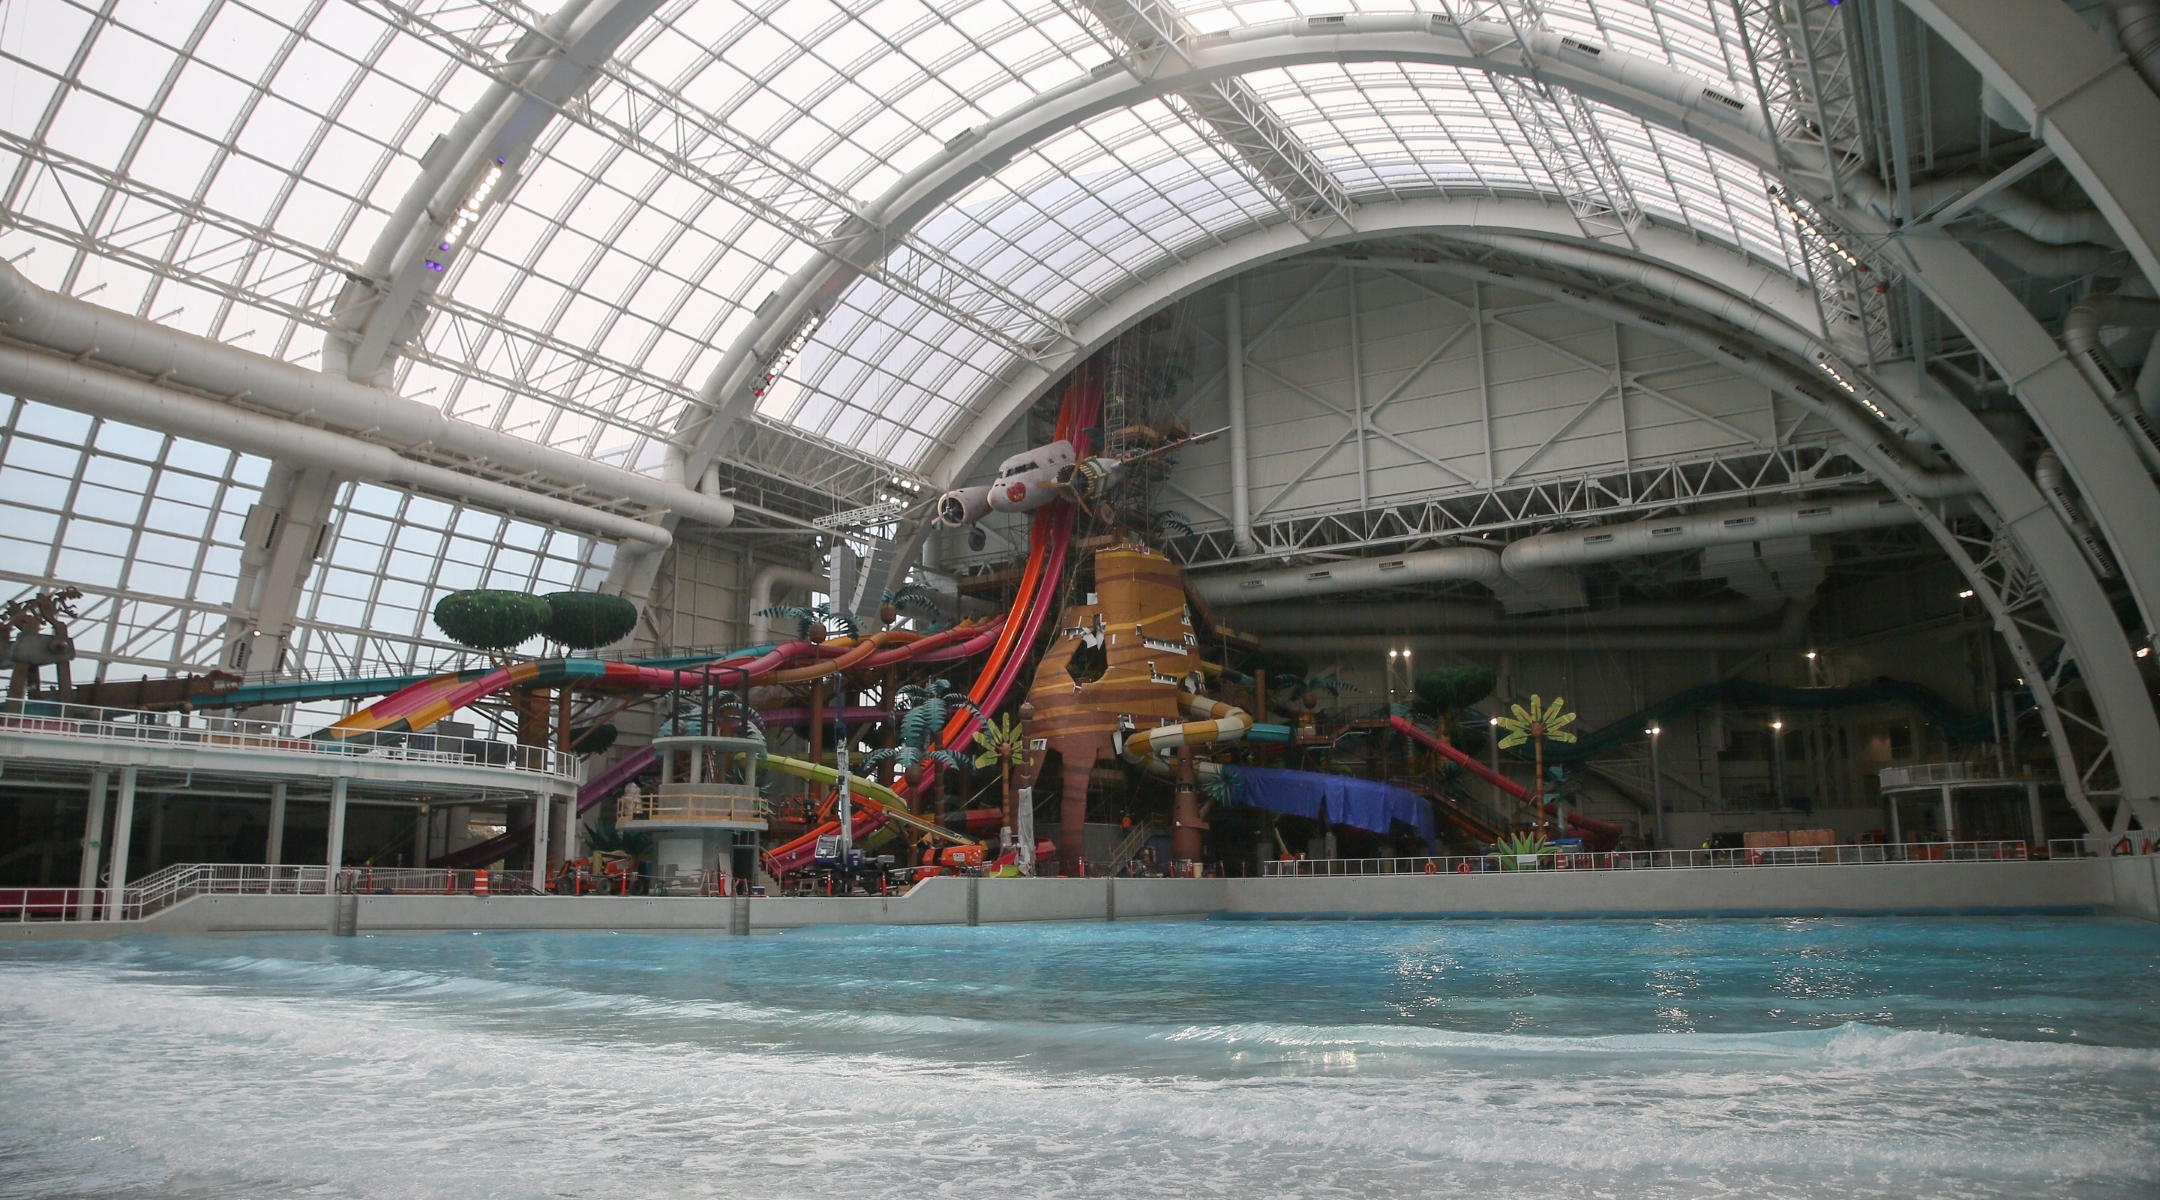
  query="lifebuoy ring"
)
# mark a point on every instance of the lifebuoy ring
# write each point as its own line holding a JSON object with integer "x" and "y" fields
{"x": 1563, "y": 861}
{"x": 1431, "y": 867}
{"x": 1462, "y": 868}
{"x": 1754, "y": 858}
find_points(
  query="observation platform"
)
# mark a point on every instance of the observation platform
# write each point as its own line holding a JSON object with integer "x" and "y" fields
{"x": 707, "y": 782}
{"x": 55, "y": 744}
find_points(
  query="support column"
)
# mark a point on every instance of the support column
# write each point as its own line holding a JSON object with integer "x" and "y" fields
{"x": 2032, "y": 805}
{"x": 1657, "y": 788}
{"x": 123, "y": 833}
{"x": 1240, "y": 455}
{"x": 1949, "y": 816}
{"x": 1185, "y": 826}
{"x": 274, "y": 845}
{"x": 282, "y": 537}
{"x": 93, "y": 829}
{"x": 334, "y": 858}
{"x": 541, "y": 806}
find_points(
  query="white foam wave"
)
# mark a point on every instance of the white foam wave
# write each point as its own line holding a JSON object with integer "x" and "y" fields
{"x": 410, "y": 1085}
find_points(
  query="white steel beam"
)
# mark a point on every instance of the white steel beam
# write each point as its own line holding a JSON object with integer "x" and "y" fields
{"x": 2084, "y": 100}
{"x": 1151, "y": 32}
{"x": 468, "y": 170}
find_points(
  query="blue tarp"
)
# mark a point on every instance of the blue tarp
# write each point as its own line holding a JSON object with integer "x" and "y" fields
{"x": 1334, "y": 798}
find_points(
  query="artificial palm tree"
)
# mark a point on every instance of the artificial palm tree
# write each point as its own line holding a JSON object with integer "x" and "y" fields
{"x": 1540, "y": 723}
{"x": 812, "y": 624}
{"x": 1003, "y": 742}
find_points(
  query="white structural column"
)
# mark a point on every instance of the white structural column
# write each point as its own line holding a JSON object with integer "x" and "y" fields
{"x": 123, "y": 834}
{"x": 274, "y": 844}
{"x": 2083, "y": 100}
{"x": 1240, "y": 443}
{"x": 93, "y": 829}
{"x": 541, "y": 806}
{"x": 334, "y": 855}
{"x": 283, "y": 535}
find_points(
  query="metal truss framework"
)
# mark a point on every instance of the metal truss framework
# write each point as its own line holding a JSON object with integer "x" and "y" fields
{"x": 644, "y": 117}
{"x": 1807, "y": 80}
{"x": 2018, "y": 601}
{"x": 1647, "y": 490}
{"x": 1310, "y": 195}
{"x": 292, "y": 279}
{"x": 1560, "y": 128}
{"x": 1796, "y": 51}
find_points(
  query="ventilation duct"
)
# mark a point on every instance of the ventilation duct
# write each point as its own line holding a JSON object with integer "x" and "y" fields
{"x": 1529, "y": 565}
{"x": 762, "y": 596}
{"x": 1665, "y": 535}
{"x": 2081, "y": 337}
{"x": 102, "y": 339}
{"x": 143, "y": 403}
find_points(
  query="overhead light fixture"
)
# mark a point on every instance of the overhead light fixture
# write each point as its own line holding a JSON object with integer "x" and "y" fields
{"x": 1653, "y": 731}
{"x": 1967, "y": 594}
{"x": 2144, "y": 652}
{"x": 1811, "y": 656}
{"x": 1777, "y": 724}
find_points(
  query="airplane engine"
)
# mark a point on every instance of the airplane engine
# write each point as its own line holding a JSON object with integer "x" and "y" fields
{"x": 963, "y": 506}
{"x": 1090, "y": 480}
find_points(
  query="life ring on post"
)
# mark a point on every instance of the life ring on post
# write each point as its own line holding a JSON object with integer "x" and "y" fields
{"x": 1431, "y": 867}
{"x": 1462, "y": 868}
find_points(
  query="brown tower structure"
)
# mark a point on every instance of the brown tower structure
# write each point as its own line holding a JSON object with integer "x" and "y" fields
{"x": 1114, "y": 664}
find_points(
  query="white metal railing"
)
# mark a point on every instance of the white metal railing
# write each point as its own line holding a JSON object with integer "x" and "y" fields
{"x": 160, "y": 890}
{"x": 52, "y": 904}
{"x": 163, "y": 889}
{"x": 1927, "y": 774}
{"x": 1660, "y": 860}
{"x": 135, "y": 726}
{"x": 433, "y": 881}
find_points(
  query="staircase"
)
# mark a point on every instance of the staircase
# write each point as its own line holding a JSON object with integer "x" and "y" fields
{"x": 1129, "y": 845}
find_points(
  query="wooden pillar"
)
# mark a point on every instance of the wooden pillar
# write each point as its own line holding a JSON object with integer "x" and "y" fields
{"x": 817, "y": 721}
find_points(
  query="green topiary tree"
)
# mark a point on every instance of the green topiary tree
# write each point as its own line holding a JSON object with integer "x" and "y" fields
{"x": 1445, "y": 692}
{"x": 486, "y": 619}
{"x": 588, "y": 620}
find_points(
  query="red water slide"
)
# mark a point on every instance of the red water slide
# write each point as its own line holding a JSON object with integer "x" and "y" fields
{"x": 1049, "y": 540}
{"x": 1597, "y": 831}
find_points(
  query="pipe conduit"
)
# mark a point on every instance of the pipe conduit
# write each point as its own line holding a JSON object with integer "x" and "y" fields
{"x": 2137, "y": 28}
{"x": 101, "y": 339}
{"x": 1477, "y": 616}
{"x": 1722, "y": 527}
{"x": 1526, "y": 558}
{"x": 2081, "y": 337}
{"x": 2048, "y": 473}
{"x": 144, "y": 403}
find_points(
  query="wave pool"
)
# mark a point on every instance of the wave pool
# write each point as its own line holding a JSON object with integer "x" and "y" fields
{"x": 1678, "y": 1058}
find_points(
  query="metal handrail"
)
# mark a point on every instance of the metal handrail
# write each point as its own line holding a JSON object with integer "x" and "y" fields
{"x": 1660, "y": 860}
{"x": 138, "y": 726}
{"x": 433, "y": 881}
{"x": 160, "y": 890}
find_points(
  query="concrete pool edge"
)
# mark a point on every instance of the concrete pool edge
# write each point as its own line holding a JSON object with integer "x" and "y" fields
{"x": 2120, "y": 886}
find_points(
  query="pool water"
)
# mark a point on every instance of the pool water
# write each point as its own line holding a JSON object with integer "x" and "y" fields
{"x": 1681, "y": 1058}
